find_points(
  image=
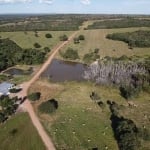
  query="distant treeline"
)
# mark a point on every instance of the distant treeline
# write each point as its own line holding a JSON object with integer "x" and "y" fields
{"x": 134, "y": 39}
{"x": 122, "y": 23}
{"x": 42, "y": 23}
{"x": 11, "y": 54}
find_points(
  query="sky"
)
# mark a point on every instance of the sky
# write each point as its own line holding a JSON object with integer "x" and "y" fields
{"x": 75, "y": 6}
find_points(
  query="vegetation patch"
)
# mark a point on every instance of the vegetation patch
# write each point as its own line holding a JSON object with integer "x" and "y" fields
{"x": 11, "y": 54}
{"x": 134, "y": 39}
{"x": 120, "y": 23}
{"x": 34, "y": 96}
{"x": 49, "y": 106}
{"x": 70, "y": 54}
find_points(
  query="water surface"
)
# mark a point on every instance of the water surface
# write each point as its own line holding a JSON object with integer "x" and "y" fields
{"x": 59, "y": 71}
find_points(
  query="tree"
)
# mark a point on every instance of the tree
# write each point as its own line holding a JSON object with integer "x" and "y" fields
{"x": 70, "y": 54}
{"x": 81, "y": 37}
{"x": 34, "y": 96}
{"x": 37, "y": 45}
{"x": 49, "y": 106}
{"x": 48, "y": 35}
{"x": 76, "y": 41}
{"x": 63, "y": 38}
{"x": 47, "y": 49}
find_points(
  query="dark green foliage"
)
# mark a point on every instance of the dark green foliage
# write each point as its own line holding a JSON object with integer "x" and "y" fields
{"x": 13, "y": 132}
{"x": 76, "y": 40}
{"x": 34, "y": 96}
{"x": 8, "y": 107}
{"x": 129, "y": 91}
{"x": 49, "y": 106}
{"x": 70, "y": 54}
{"x": 125, "y": 130}
{"x": 101, "y": 104}
{"x": 81, "y": 37}
{"x": 96, "y": 50}
{"x": 48, "y": 35}
{"x": 63, "y": 38}
{"x": 134, "y": 39}
{"x": 123, "y": 23}
{"x": 37, "y": 45}
{"x": 145, "y": 134}
{"x": 90, "y": 57}
{"x": 47, "y": 49}
{"x": 14, "y": 90}
{"x": 11, "y": 54}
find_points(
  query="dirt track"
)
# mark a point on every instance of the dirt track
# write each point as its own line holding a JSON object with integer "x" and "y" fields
{"x": 27, "y": 105}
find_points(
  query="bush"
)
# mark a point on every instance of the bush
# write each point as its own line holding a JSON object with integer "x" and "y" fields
{"x": 128, "y": 91}
{"x": 37, "y": 45}
{"x": 47, "y": 49}
{"x": 81, "y": 37}
{"x": 49, "y": 106}
{"x": 70, "y": 54}
{"x": 90, "y": 57}
{"x": 63, "y": 38}
{"x": 14, "y": 90}
{"x": 34, "y": 96}
{"x": 48, "y": 35}
{"x": 76, "y": 41}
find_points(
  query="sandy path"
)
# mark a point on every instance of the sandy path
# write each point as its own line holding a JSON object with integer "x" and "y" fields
{"x": 27, "y": 105}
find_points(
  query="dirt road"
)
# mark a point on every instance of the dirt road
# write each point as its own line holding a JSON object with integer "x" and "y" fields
{"x": 27, "y": 105}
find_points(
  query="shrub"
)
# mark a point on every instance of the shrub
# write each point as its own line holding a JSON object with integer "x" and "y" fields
{"x": 63, "y": 38}
{"x": 49, "y": 106}
{"x": 70, "y": 54}
{"x": 128, "y": 91}
{"x": 81, "y": 37}
{"x": 90, "y": 57}
{"x": 14, "y": 90}
{"x": 47, "y": 49}
{"x": 48, "y": 35}
{"x": 34, "y": 96}
{"x": 37, "y": 45}
{"x": 76, "y": 41}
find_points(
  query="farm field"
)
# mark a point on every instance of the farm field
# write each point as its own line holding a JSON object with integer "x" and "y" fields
{"x": 96, "y": 39}
{"x": 27, "y": 40}
{"x": 18, "y": 133}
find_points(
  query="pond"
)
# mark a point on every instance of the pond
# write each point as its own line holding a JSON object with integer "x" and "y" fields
{"x": 60, "y": 71}
{"x": 16, "y": 71}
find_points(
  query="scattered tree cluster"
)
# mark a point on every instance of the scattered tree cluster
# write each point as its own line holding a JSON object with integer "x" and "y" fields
{"x": 8, "y": 107}
{"x": 90, "y": 57}
{"x": 11, "y": 54}
{"x": 134, "y": 39}
{"x": 70, "y": 54}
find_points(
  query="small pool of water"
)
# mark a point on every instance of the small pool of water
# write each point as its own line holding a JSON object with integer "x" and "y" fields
{"x": 16, "y": 71}
{"x": 60, "y": 71}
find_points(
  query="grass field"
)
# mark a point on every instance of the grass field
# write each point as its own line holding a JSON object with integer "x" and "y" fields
{"x": 18, "y": 133}
{"x": 28, "y": 40}
{"x": 96, "y": 39}
{"x": 79, "y": 123}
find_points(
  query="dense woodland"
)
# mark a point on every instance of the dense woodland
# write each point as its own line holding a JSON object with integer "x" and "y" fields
{"x": 120, "y": 23}
{"x": 11, "y": 54}
{"x": 134, "y": 39}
